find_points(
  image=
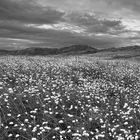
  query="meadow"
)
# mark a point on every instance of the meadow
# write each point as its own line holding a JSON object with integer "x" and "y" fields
{"x": 69, "y": 98}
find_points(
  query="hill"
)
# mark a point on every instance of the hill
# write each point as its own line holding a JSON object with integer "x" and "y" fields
{"x": 129, "y": 52}
{"x": 74, "y": 49}
{"x": 80, "y": 49}
{"x": 127, "y": 48}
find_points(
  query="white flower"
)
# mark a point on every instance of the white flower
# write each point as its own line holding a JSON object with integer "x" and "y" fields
{"x": 9, "y": 115}
{"x": 125, "y": 123}
{"x": 90, "y": 119}
{"x": 11, "y": 90}
{"x": 34, "y": 139}
{"x": 10, "y": 135}
{"x": 101, "y": 135}
{"x": 26, "y": 120}
{"x": 85, "y": 134}
{"x": 11, "y": 123}
{"x": 34, "y": 129}
{"x": 48, "y": 128}
{"x": 61, "y": 121}
{"x": 62, "y": 132}
{"x": 57, "y": 128}
{"x": 24, "y": 129}
{"x": 18, "y": 115}
{"x": 125, "y": 105}
{"x": 6, "y": 127}
{"x": 22, "y": 124}
{"x": 69, "y": 131}
{"x": 68, "y": 126}
{"x": 70, "y": 115}
{"x": 15, "y": 125}
{"x": 17, "y": 135}
{"x": 76, "y": 134}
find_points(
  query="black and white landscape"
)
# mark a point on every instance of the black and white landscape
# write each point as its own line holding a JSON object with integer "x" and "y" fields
{"x": 69, "y": 70}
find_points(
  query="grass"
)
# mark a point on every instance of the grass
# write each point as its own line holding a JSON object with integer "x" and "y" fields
{"x": 71, "y": 98}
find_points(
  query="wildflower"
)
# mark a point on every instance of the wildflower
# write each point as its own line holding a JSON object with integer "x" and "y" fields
{"x": 34, "y": 129}
{"x": 10, "y": 135}
{"x": 9, "y": 115}
{"x": 61, "y": 121}
{"x": 57, "y": 128}
{"x": 17, "y": 135}
{"x": 26, "y": 120}
{"x": 48, "y": 128}
{"x": 33, "y": 138}
{"x": 11, "y": 90}
{"x": 11, "y": 123}
{"x": 90, "y": 119}
{"x": 76, "y": 134}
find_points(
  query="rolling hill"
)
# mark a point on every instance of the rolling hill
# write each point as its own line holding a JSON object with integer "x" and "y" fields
{"x": 122, "y": 53}
{"x": 74, "y": 49}
{"x": 110, "y": 53}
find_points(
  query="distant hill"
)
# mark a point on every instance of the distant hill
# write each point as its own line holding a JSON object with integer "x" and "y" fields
{"x": 129, "y": 52}
{"x": 122, "y": 52}
{"x": 2, "y": 52}
{"x": 127, "y": 48}
{"x": 74, "y": 49}
{"x": 81, "y": 49}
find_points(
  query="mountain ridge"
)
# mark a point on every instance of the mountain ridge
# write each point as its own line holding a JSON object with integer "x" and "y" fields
{"x": 73, "y": 49}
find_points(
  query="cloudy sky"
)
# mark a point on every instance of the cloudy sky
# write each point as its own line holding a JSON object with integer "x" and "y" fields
{"x": 59, "y": 23}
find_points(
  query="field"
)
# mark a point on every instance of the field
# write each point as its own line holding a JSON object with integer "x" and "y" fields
{"x": 70, "y": 98}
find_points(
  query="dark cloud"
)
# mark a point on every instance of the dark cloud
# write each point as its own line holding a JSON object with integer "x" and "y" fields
{"x": 108, "y": 8}
{"x": 17, "y": 26}
{"x": 28, "y": 11}
{"x": 50, "y": 37}
{"x": 133, "y": 5}
{"x": 19, "y": 20}
{"x": 94, "y": 24}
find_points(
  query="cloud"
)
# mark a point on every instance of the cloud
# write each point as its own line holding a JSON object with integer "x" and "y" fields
{"x": 28, "y": 12}
{"x": 95, "y": 24}
{"x": 60, "y": 23}
{"x": 10, "y": 43}
{"x": 125, "y": 4}
{"x": 51, "y": 38}
{"x": 107, "y": 8}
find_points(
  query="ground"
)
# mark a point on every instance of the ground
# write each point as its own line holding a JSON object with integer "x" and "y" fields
{"x": 69, "y": 98}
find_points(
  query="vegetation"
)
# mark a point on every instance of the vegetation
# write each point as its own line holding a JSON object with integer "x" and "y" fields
{"x": 71, "y": 98}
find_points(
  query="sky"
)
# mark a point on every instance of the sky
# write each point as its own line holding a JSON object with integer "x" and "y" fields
{"x": 61, "y": 23}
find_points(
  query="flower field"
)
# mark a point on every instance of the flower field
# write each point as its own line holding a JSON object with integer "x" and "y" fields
{"x": 70, "y": 98}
